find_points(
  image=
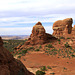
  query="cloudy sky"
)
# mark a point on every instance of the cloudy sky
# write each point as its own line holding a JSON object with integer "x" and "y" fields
{"x": 17, "y": 17}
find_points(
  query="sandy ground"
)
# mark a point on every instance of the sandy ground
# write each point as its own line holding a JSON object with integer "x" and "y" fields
{"x": 60, "y": 66}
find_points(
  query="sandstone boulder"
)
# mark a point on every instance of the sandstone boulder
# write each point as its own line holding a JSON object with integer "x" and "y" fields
{"x": 10, "y": 65}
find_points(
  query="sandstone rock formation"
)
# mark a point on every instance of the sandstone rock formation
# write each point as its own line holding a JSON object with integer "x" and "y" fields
{"x": 1, "y": 42}
{"x": 62, "y": 27}
{"x": 39, "y": 35}
{"x": 10, "y": 65}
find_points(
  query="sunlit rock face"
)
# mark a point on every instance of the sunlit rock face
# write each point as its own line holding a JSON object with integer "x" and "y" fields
{"x": 10, "y": 65}
{"x": 62, "y": 27}
{"x": 39, "y": 35}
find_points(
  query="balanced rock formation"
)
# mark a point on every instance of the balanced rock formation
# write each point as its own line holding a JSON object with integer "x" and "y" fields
{"x": 39, "y": 35}
{"x": 10, "y": 65}
{"x": 62, "y": 27}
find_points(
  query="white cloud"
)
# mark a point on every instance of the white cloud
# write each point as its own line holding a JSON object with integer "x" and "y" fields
{"x": 15, "y": 31}
{"x": 21, "y": 30}
{"x": 20, "y": 21}
{"x": 14, "y": 12}
{"x": 36, "y": 5}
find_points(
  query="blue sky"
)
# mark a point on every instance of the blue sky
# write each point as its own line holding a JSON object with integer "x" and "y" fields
{"x": 17, "y": 17}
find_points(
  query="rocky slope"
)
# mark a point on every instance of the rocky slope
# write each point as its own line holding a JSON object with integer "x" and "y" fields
{"x": 9, "y": 65}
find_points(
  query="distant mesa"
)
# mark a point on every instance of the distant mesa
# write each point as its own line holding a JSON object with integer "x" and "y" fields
{"x": 39, "y": 35}
{"x": 14, "y": 37}
{"x": 10, "y": 65}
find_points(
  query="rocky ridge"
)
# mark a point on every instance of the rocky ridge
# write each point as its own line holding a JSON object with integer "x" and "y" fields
{"x": 10, "y": 65}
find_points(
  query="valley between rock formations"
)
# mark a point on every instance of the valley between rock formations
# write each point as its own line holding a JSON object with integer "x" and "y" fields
{"x": 54, "y": 54}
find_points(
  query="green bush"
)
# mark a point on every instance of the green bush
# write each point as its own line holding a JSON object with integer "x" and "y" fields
{"x": 37, "y": 50}
{"x": 19, "y": 56}
{"x": 65, "y": 68}
{"x": 62, "y": 38}
{"x": 12, "y": 44}
{"x": 24, "y": 51}
{"x": 52, "y": 73}
{"x": 53, "y": 50}
{"x": 49, "y": 46}
{"x": 58, "y": 39}
{"x": 49, "y": 67}
{"x": 40, "y": 46}
{"x": 59, "y": 42}
{"x": 68, "y": 38}
{"x": 67, "y": 45}
{"x": 31, "y": 48}
{"x": 45, "y": 45}
{"x": 43, "y": 68}
{"x": 54, "y": 53}
{"x": 40, "y": 73}
{"x": 73, "y": 55}
{"x": 26, "y": 39}
{"x": 70, "y": 47}
{"x": 20, "y": 53}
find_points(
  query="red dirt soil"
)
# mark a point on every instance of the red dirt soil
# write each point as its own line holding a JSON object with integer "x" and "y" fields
{"x": 60, "y": 66}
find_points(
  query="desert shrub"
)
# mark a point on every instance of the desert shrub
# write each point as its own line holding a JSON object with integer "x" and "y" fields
{"x": 67, "y": 45}
{"x": 70, "y": 47}
{"x": 73, "y": 55}
{"x": 54, "y": 50}
{"x": 37, "y": 50}
{"x": 59, "y": 42}
{"x": 58, "y": 39}
{"x": 45, "y": 45}
{"x": 54, "y": 53}
{"x": 11, "y": 44}
{"x": 52, "y": 73}
{"x": 70, "y": 52}
{"x": 40, "y": 73}
{"x": 20, "y": 53}
{"x": 19, "y": 57}
{"x": 68, "y": 38}
{"x": 31, "y": 48}
{"x": 49, "y": 46}
{"x": 24, "y": 51}
{"x": 5, "y": 42}
{"x": 40, "y": 46}
{"x": 65, "y": 68}
{"x": 73, "y": 50}
{"x": 11, "y": 50}
{"x": 26, "y": 39}
{"x": 46, "y": 51}
{"x": 62, "y": 38}
{"x": 49, "y": 67}
{"x": 43, "y": 68}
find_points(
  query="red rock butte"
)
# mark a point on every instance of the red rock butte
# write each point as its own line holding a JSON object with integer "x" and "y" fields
{"x": 63, "y": 28}
{"x": 10, "y": 65}
{"x": 39, "y": 35}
